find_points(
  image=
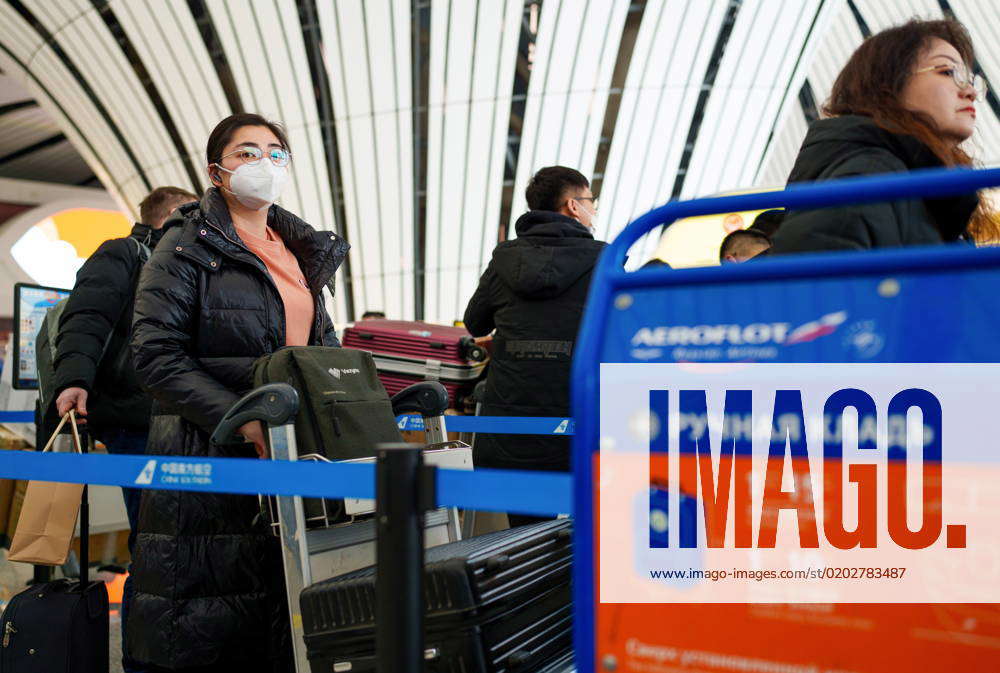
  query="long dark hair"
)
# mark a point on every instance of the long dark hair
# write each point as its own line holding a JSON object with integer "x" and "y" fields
{"x": 872, "y": 83}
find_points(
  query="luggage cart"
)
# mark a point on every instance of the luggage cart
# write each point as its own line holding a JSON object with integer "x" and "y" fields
{"x": 313, "y": 554}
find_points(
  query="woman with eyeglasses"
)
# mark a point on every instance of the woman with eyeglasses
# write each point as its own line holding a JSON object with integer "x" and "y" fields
{"x": 234, "y": 277}
{"x": 906, "y": 100}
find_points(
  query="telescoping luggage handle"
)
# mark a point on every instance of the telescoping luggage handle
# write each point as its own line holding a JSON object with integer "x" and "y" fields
{"x": 276, "y": 404}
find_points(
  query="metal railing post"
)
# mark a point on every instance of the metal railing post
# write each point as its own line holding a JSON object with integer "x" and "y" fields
{"x": 403, "y": 492}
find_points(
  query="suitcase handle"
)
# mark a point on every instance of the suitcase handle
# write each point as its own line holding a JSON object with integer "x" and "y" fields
{"x": 471, "y": 350}
{"x": 84, "y": 443}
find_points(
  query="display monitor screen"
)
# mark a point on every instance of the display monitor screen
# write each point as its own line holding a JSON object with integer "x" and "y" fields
{"x": 31, "y": 303}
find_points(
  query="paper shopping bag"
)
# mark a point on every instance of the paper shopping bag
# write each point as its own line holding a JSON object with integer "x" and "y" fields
{"x": 47, "y": 521}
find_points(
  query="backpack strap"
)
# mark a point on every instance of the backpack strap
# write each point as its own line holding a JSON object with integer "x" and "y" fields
{"x": 143, "y": 251}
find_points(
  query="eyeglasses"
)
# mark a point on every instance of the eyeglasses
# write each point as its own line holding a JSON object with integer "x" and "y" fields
{"x": 961, "y": 76}
{"x": 252, "y": 155}
{"x": 592, "y": 199}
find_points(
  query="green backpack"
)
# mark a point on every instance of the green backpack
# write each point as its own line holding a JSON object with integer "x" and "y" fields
{"x": 45, "y": 353}
{"x": 344, "y": 411}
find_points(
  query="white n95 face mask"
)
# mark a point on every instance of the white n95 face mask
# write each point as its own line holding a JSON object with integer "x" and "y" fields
{"x": 257, "y": 185}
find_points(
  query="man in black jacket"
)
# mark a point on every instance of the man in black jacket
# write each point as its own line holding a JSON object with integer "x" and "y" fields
{"x": 93, "y": 371}
{"x": 533, "y": 293}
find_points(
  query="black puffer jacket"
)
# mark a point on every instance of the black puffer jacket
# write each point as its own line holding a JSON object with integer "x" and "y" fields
{"x": 533, "y": 292}
{"x": 846, "y": 146}
{"x": 209, "y": 588}
{"x": 101, "y": 304}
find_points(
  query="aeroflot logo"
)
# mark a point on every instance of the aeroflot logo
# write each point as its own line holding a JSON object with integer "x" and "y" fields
{"x": 789, "y": 449}
{"x": 738, "y": 335}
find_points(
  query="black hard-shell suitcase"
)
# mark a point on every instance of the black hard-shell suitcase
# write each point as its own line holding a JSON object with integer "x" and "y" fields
{"x": 497, "y": 603}
{"x": 564, "y": 664}
{"x": 55, "y": 627}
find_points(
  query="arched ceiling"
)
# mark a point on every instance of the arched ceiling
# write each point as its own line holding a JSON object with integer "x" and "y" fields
{"x": 32, "y": 146}
{"x": 415, "y": 124}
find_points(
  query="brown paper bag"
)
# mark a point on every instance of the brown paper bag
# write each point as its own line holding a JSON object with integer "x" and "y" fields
{"x": 48, "y": 516}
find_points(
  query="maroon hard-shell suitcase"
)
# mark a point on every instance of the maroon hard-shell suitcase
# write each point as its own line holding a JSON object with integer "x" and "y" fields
{"x": 406, "y": 352}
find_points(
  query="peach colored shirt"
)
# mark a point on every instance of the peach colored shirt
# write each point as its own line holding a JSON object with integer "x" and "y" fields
{"x": 287, "y": 274}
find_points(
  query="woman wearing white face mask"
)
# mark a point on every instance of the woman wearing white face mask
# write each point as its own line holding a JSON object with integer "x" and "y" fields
{"x": 234, "y": 277}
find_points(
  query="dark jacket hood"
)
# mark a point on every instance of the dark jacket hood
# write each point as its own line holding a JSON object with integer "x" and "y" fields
{"x": 146, "y": 234}
{"x": 551, "y": 252}
{"x": 831, "y": 141}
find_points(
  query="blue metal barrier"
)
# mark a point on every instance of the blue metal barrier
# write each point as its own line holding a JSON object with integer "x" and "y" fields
{"x": 508, "y": 425}
{"x": 17, "y": 416}
{"x": 598, "y": 328}
{"x": 501, "y": 425}
{"x": 526, "y": 492}
{"x": 491, "y": 490}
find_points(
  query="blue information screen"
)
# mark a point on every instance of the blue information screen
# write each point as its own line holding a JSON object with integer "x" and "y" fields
{"x": 31, "y": 303}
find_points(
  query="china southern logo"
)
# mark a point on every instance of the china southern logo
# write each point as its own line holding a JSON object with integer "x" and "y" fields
{"x": 410, "y": 423}
{"x": 336, "y": 373}
{"x": 146, "y": 476}
{"x": 739, "y": 335}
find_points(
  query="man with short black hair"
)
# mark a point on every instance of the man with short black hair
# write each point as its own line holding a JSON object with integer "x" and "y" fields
{"x": 533, "y": 293}
{"x": 93, "y": 370}
{"x": 563, "y": 190}
{"x": 741, "y": 245}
